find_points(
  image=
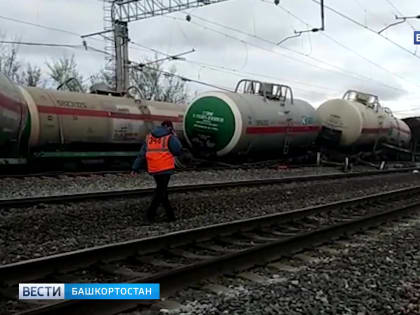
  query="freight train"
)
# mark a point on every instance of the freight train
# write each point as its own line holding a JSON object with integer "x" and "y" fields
{"x": 38, "y": 124}
{"x": 258, "y": 119}
{"x": 264, "y": 119}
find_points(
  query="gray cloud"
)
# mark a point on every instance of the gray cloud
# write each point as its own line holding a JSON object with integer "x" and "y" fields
{"x": 313, "y": 83}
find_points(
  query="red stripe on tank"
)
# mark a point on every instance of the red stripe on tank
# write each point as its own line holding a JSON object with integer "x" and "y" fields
{"x": 104, "y": 114}
{"x": 10, "y": 104}
{"x": 281, "y": 129}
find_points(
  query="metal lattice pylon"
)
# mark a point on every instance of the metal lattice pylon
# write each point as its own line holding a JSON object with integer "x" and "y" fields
{"x": 109, "y": 40}
{"x": 117, "y": 15}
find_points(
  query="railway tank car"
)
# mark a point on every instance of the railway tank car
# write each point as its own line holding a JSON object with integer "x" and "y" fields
{"x": 358, "y": 121}
{"x": 258, "y": 118}
{"x": 43, "y": 123}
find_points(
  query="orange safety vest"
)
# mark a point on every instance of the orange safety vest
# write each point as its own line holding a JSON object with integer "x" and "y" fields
{"x": 158, "y": 156}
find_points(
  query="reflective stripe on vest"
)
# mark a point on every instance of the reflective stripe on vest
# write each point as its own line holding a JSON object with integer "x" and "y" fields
{"x": 158, "y": 156}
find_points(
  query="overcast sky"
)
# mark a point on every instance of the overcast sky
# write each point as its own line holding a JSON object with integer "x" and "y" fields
{"x": 236, "y": 39}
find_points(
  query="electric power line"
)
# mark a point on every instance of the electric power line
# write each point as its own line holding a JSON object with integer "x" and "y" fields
{"x": 183, "y": 78}
{"x": 85, "y": 47}
{"x": 39, "y": 25}
{"x": 400, "y": 13}
{"x": 97, "y": 50}
{"x": 241, "y": 73}
{"x": 338, "y": 70}
{"x": 373, "y": 14}
{"x": 311, "y": 57}
{"x": 325, "y": 34}
{"x": 233, "y": 70}
{"x": 73, "y": 46}
{"x": 51, "y": 28}
{"x": 368, "y": 28}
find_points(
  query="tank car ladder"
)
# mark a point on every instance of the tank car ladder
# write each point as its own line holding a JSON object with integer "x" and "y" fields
{"x": 286, "y": 143}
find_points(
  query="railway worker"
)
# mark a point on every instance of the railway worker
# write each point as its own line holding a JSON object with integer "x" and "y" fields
{"x": 159, "y": 151}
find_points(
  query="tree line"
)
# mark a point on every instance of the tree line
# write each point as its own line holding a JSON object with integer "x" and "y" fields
{"x": 151, "y": 81}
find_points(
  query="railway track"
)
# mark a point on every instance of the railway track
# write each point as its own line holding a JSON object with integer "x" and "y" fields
{"x": 203, "y": 166}
{"x": 62, "y": 173}
{"x": 24, "y": 202}
{"x": 178, "y": 259}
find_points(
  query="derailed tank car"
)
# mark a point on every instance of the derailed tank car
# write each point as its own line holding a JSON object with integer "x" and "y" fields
{"x": 43, "y": 123}
{"x": 257, "y": 118}
{"x": 359, "y": 122}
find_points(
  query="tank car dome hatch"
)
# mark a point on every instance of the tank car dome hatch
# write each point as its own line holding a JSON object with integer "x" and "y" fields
{"x": 103, "y": 89}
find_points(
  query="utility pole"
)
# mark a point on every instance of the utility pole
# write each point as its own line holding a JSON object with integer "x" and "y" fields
{"x": 121, "y": 55}
{"x": 117, "y": 15}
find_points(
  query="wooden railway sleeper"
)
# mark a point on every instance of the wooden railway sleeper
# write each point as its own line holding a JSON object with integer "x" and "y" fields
{"x": 216, "y": 248}
{"x": 256, "y": 237}
{"x": 189, "y": 255}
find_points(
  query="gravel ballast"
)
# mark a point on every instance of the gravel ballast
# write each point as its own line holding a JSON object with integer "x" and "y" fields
{"x": 374, "y": 273}
{"x": 64, "y": 185}
{"x": 50, "y": 229}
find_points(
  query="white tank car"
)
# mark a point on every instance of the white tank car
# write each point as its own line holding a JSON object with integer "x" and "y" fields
{"x": 45, "y": 123}
{"x": 256, "y": 118}
{"x": 359, "y": 120}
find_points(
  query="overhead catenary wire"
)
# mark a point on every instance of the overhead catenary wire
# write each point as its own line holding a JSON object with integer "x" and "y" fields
{"x": 328, "y": 36}
{"x": 75, "y": 34}
{"x": 241, "y": 73}
{"x": 52, "y": 29}
{"x": 138, "y": 65}
{"x": 87, "y": 47}
{"x": 403, "y": 20}
{"x": 305, "y": 55}
{"x": 338, "y": 69}
{"x": 183, "y": 78}
{"x": 83, "y": 47}
{"x": 400, "y": 13}
{"x": 233, "y": 70}
{"x": 344, "y": 16}
{"x": 366, "y": 12}
{"x": 73, "y": 46}
{"x": 136, "y": 44}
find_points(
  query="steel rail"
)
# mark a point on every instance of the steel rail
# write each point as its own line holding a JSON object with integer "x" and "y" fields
{"x": 40, "y": 267}
{"x": 105, "y": 195}
{"x": 207, "y": 167}
{"x": 180, "y": 277}
{"x": 61, "y": 173}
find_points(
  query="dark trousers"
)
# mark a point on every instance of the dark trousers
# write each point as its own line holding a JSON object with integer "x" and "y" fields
{"x": 161, "y": 197}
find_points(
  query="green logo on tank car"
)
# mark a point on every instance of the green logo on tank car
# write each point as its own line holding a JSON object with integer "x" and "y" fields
{"x": 209, "y": 123}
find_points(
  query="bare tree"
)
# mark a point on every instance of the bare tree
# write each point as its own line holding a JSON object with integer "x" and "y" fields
{"x": 63, "y": 69}
{"x": 31, "y": 76}
{"x": 102, "y": 76}
{"x": 174, "y": 89}
{"x": 158, "y": 85}
{"x": 9, "y": 64}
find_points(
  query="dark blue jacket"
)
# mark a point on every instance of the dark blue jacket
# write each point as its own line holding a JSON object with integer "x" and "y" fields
{"x": 174, "y": 146}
